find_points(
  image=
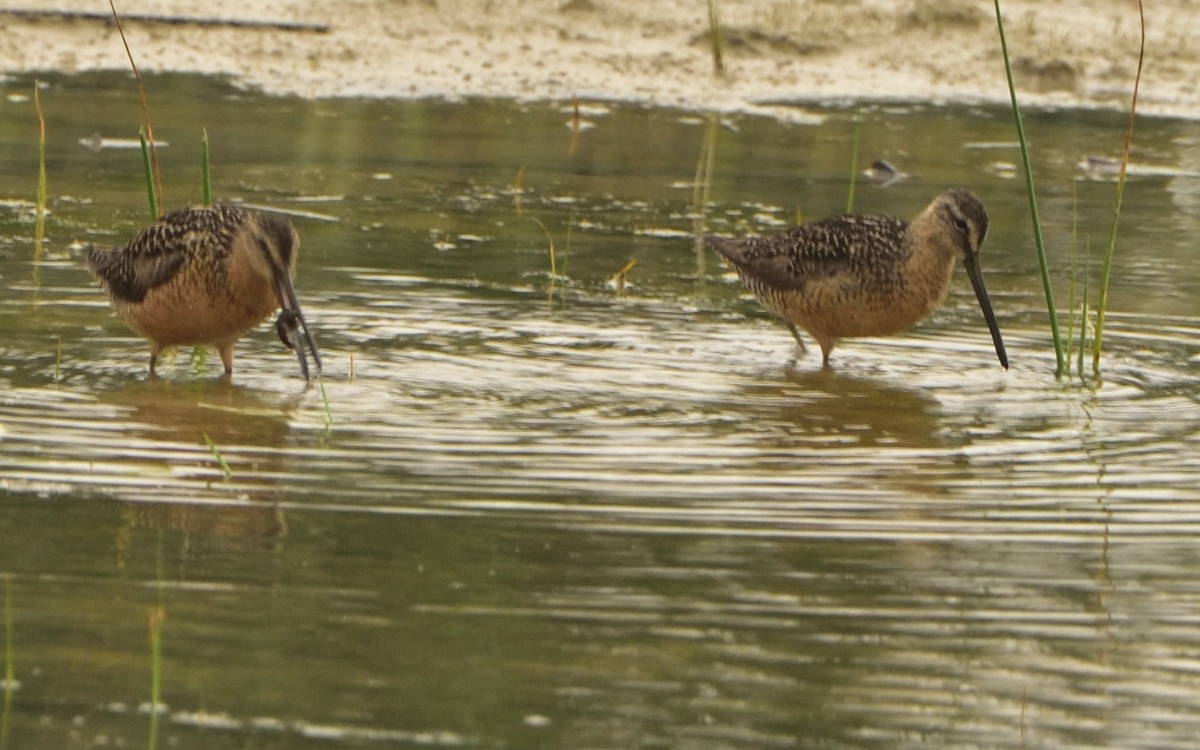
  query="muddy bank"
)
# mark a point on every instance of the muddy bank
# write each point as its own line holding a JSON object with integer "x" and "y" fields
{"x": 1070, "y": 54}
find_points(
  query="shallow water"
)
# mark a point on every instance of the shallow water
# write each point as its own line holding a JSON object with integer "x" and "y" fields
{"x": 543, "y": 513}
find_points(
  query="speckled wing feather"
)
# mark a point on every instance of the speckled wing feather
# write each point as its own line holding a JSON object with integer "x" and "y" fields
{"x": 813, "y": 251}
{"x": 159, "y": 251}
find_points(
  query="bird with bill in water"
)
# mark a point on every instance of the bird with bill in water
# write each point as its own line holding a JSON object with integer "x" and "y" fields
{"x": 207, "y": 275}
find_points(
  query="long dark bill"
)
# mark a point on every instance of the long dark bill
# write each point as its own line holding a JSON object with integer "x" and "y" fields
{"x": 286, "y": 326}
{"x": 976, "y": 275}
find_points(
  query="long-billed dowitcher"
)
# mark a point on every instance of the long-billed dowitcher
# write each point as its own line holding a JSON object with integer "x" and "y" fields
{"x": 866, "y": 275}
{"x": 207, "y": 276}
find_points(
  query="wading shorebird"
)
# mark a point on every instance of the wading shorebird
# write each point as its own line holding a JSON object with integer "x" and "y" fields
{"x": 865, "y": 275}
{"x": 207, "y": 276}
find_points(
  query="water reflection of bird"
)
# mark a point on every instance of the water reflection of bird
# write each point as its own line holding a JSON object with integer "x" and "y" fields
{"x": 865, "y": 275}
{"x": 207, "y": 276}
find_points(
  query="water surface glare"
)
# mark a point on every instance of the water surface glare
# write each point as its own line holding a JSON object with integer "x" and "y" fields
{"x": 545, "y": 511}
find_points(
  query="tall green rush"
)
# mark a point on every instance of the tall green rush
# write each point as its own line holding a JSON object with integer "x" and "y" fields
{"x": 148, "y": 166}
{"x": 854, "y": 159}
{"x": 1033, "y": 209}
{"x": 1097, "y": 340}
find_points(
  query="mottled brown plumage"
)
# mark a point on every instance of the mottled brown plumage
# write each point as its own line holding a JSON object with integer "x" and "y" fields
{"x": 207, "y": 276}
{"x": 865, "y": 275}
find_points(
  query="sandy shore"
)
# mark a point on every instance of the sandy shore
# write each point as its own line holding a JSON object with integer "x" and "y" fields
{"x": 1079, "y": 53}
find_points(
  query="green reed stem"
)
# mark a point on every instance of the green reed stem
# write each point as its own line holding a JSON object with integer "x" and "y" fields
{"x": 155, "y": 621}
{"x": 553, "y": 262}
{"x": 1105, "y": 274}
{"x": 41, "y": 181}
{"x": 566, "y": 253}
{"x": 854, "y": 159}
{"x": 148, "y": 167}
{"x": 205, "y": 174}
{"x": 152, "y": 169}
{"x": 705, "y": 164}
{"x": 325, "y": 402}
{"x": 1033, "y": 208}
{"x": 715, "y": 40}
{"x": 212, "y": 447}
{"x": 39, "y": 221}
{"x": 1083, "y": 311}
{"x": 9, "y": 668}
{"x": 10, "y": 677}
{"x": 1074, "y": 266}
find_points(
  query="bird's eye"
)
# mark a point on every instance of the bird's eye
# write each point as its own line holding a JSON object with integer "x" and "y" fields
{"x": 960, "y": 224}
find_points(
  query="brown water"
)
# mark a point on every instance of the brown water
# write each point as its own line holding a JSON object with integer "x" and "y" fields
{"x": 540, "y": 513}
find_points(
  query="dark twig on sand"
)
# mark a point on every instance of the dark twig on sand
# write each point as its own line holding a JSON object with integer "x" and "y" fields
{"x": 235, "y": 23}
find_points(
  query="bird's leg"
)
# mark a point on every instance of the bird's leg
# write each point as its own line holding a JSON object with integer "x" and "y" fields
{"x": 155, "y": 350}
{"x": 796, "y": 335}
{"x": 226, "y": 352}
